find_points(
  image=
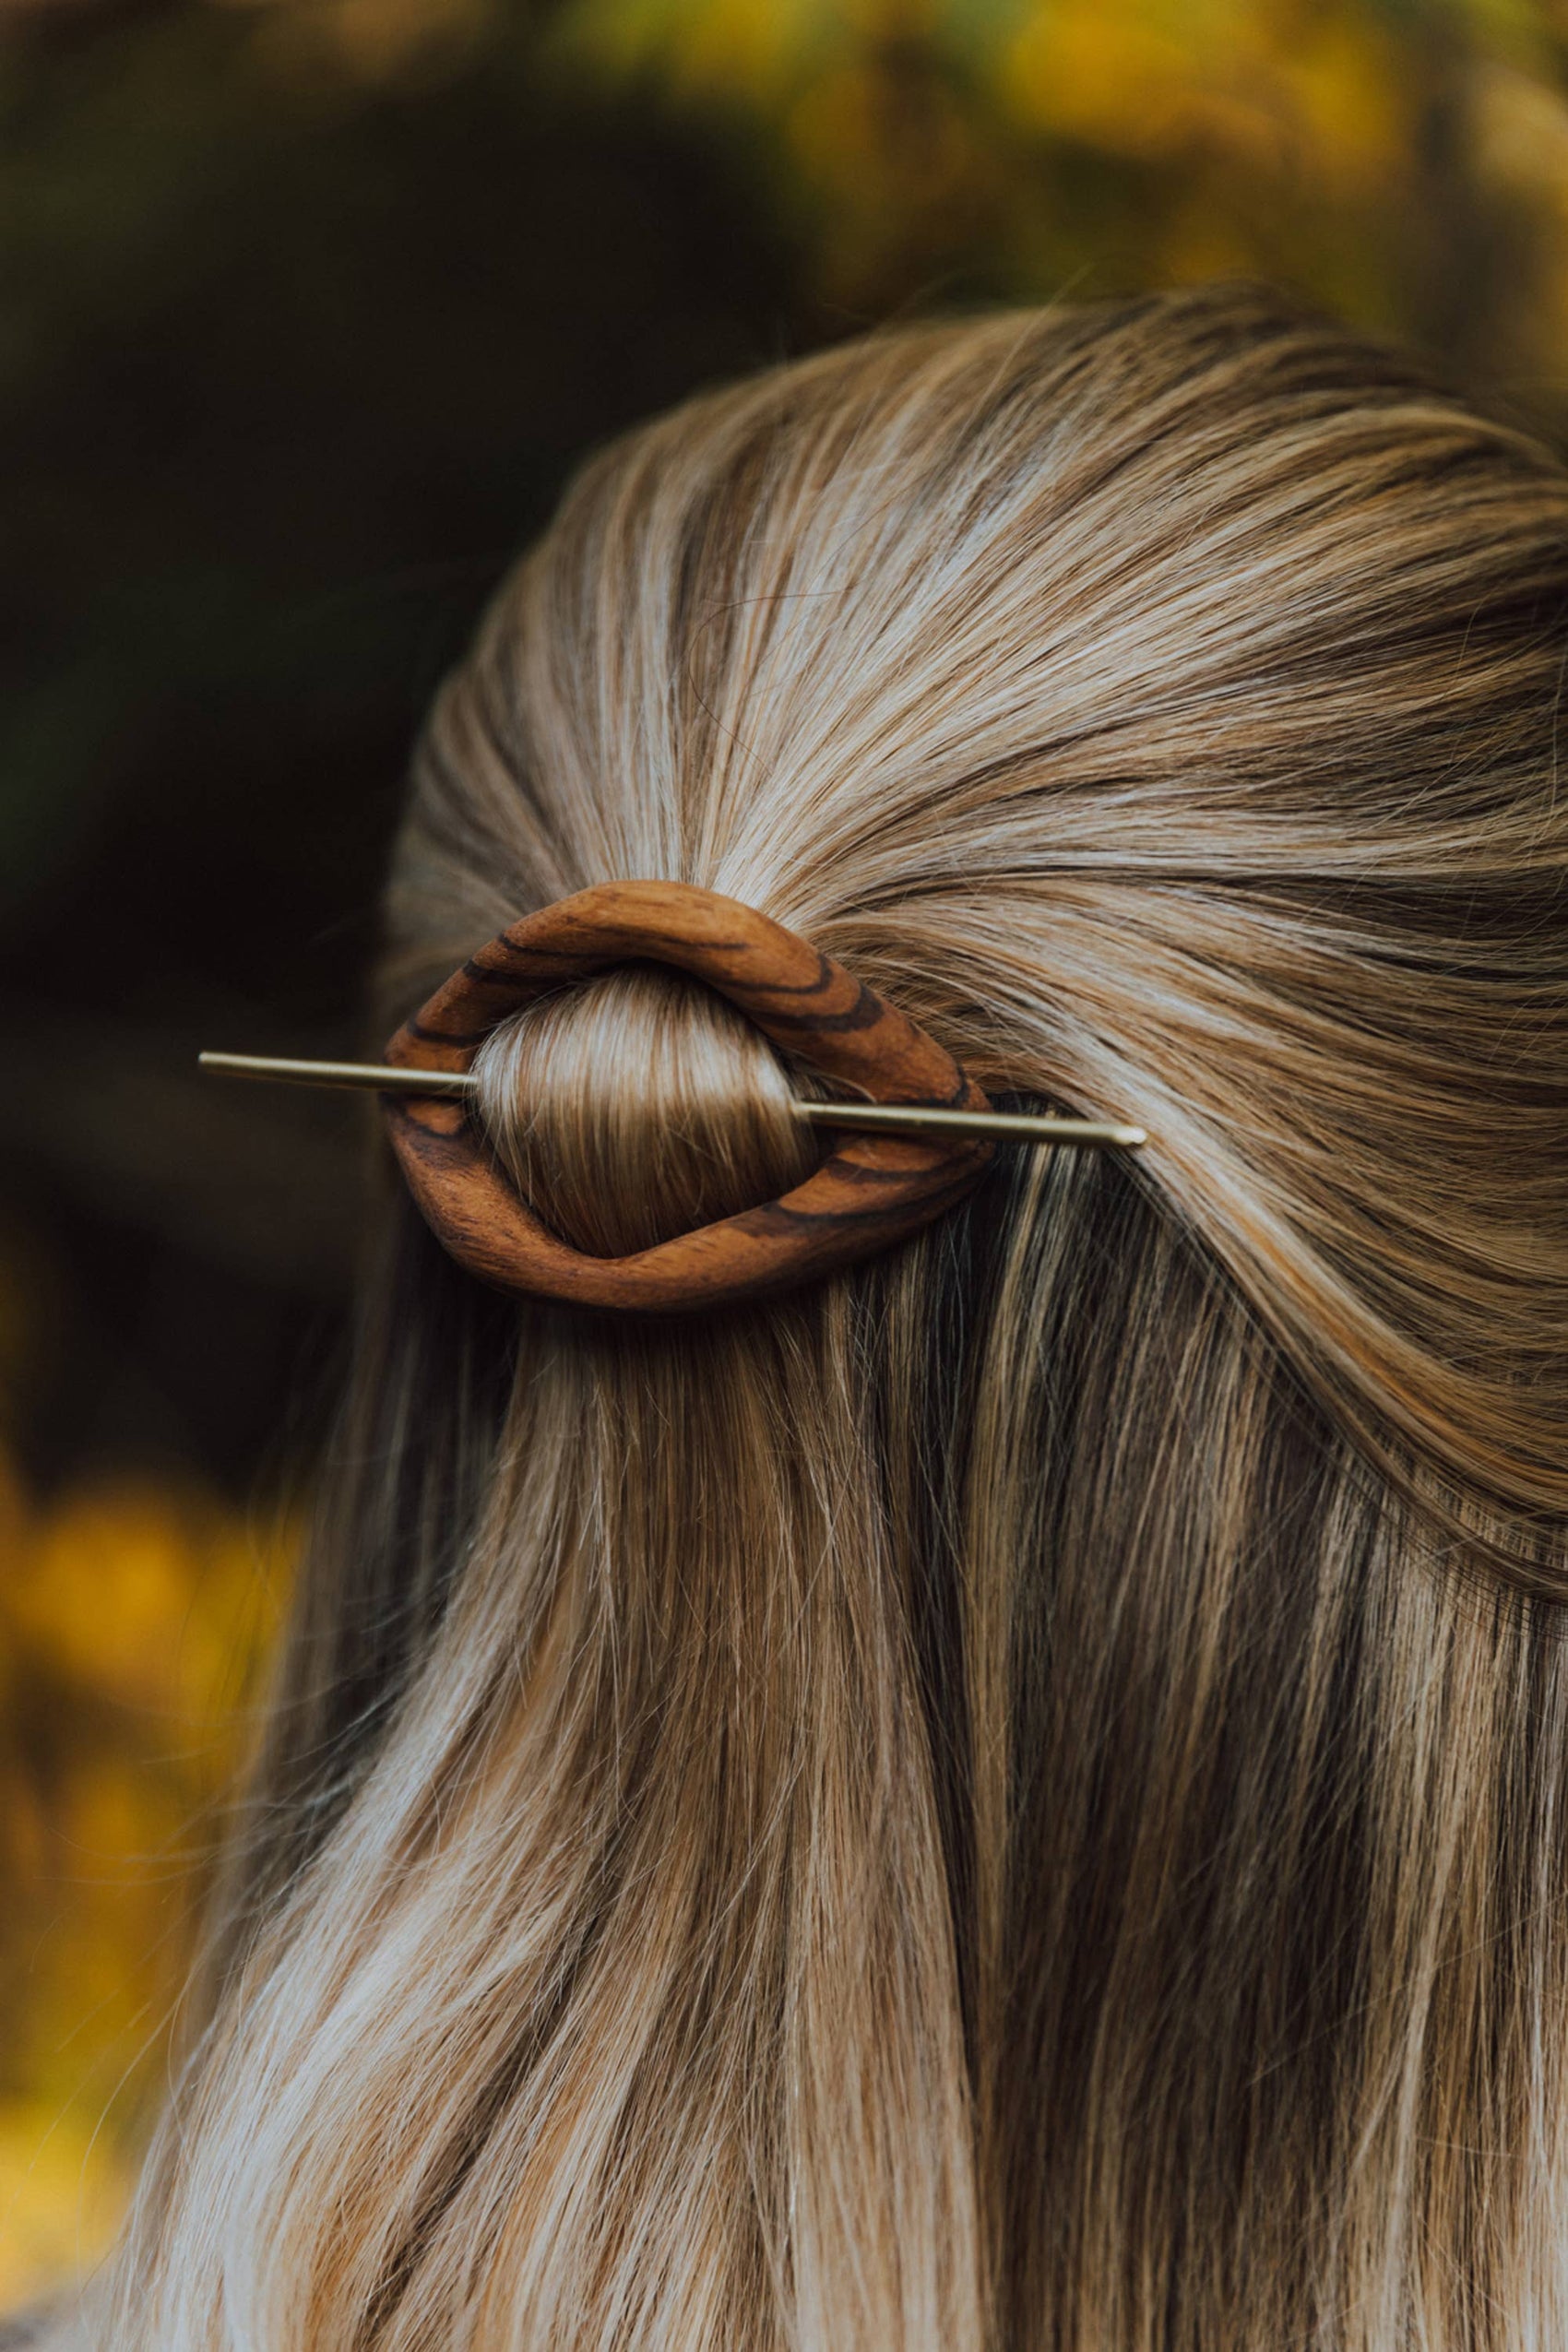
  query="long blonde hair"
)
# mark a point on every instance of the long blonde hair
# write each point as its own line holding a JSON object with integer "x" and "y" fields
{"x": 1013, "y": 1798}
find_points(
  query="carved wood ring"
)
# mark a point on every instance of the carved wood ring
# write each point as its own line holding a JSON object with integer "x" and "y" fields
{"x": 869, "y": 1193}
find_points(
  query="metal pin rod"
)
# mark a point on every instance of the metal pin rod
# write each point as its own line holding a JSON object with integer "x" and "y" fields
{"x": 854, "y": 1118}
{"x": 373, "y": 1077}
{"x": 1000, "y": 1126}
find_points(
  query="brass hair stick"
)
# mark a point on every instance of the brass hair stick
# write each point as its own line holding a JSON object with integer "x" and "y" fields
{"x": 997, "y": 1126}
{"x": 854, "y": 1118}
{"x": 372, "y": 1077}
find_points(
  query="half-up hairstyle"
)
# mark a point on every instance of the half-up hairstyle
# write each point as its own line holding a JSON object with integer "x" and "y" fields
{"x": 1011, "y": 1800}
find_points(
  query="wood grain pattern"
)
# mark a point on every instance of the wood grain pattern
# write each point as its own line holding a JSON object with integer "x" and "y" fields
{"x": 868, "y": 1194}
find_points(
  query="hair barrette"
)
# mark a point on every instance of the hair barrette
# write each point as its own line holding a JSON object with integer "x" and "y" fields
{"x": 849, "y": 1118}
{"x": 919, "y": 1141}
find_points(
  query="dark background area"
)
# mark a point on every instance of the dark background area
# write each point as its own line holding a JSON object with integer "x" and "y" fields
{"x": 277, "y": 423}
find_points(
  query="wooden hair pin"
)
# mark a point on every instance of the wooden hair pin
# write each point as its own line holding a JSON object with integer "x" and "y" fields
{"x": 850, "y": 1118}
{"x": 917, "y": 1135}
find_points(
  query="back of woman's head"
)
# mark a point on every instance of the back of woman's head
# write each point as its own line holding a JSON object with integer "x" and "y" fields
{"x": 1014, "y": 1797}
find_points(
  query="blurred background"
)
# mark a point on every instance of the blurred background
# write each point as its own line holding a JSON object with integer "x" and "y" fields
{"x": 306, "y": 309}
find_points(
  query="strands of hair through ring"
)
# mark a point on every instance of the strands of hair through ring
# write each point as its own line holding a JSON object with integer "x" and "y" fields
{"x": 1013, "y": 1798}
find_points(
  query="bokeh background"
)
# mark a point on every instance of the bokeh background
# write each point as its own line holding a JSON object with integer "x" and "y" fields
{"x": 306, "y": 309}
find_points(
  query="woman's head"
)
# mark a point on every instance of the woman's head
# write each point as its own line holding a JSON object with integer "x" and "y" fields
{"x": 1161, "y": 702}
{"x": 1012, "y": 1798}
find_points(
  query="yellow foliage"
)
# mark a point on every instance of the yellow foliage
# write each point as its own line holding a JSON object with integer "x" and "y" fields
{"x": 138, "y": 1592}
{"x": 1265, "y": 90}
{"x": 133, "y": 1616}
{"x": 1397, "y": 162}
{"x": 1372, "y": 156}
{"x": 63, "y": 2187}
{"x": 1128, "y": 80}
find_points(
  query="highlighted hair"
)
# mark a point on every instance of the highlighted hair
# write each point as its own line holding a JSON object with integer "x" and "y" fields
{"x": 1014, "y": 1801}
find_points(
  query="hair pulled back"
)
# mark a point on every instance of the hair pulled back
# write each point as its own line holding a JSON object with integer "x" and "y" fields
{"x": 1013, "y": 1798}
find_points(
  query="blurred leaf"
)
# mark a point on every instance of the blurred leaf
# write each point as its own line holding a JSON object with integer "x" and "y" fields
{"x": 62, "y": 2188}
{"x": 1351, "y": 147}
{"x": 135, "y": 1617}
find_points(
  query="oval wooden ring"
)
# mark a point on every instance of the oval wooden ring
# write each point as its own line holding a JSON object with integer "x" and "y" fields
{"x": 869, "y": 1193}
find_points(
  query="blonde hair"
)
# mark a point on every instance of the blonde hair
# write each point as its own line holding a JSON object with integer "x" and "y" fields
{"x": 1013, "y": 1798}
